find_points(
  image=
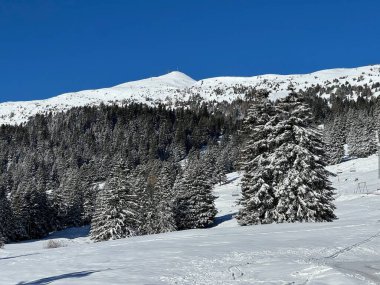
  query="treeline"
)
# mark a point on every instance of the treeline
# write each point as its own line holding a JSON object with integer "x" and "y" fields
{"x": 64, "y": 170}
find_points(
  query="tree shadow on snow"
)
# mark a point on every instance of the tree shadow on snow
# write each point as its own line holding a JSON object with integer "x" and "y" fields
{"x": 222, "y": 219}
{"x": 16, "y": 256}
{"x": 49, "y": 280}
{"x": 70, "y": 233}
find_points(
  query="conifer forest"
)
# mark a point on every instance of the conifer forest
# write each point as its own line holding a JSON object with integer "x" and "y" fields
{"x": 134, "y": 169}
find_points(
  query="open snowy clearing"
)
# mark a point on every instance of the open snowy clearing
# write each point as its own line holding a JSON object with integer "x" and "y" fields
{"x": 346, "y": 251}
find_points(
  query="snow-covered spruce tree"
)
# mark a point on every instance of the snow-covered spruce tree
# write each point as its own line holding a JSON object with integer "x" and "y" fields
{"x": 258, "y": 199}
{"x": 116, "y": 215}
{"x": 303, "y": 190}
{"x": 195, "y": 206}
{"x": 285, "y": 179}
{"x": 165, "y": 218}
{"x": 145, "y": 199}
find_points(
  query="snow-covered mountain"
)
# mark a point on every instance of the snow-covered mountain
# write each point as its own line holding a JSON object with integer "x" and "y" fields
{"x": 176, "y": 87}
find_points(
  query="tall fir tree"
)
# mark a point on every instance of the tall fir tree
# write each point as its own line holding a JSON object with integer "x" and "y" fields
{"x": 258, "y": 190}
{"x": 165, "y": 217}
{"x": 304, "y": 191}
{"x": 116, "y": 215}
{"x": 285, "y": 179}
{"x": 195, "y": 207}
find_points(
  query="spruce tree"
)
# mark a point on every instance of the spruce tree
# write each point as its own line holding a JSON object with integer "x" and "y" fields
{"x": 195, "y": 206}
{"x": 303, "y": 190}
{"x": 258, "y": 190}
{"x": 116, "y": 215}
{"x": 165, "y": 218}
{"x": 285, "y": 179}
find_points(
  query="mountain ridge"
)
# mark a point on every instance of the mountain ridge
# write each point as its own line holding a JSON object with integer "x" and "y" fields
{"x": 177, "y": 87}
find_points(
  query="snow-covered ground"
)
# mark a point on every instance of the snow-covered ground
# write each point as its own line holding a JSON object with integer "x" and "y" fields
{"x": 176, "y": 87}
{"x": 345, "y": 252}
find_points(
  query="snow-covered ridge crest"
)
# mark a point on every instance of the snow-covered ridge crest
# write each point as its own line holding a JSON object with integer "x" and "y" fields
{"x": 176, "y": 87}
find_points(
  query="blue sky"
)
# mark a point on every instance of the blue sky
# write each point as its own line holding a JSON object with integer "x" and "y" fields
{"x": 51, "y": 47}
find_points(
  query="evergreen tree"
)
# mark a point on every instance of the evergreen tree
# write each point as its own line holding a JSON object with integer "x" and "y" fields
{"x": 165, "y": 202}
{"x": 116, "y": 215}
{"x": 285, "y": 179}
{"x": 195, "y": 206}
{"x": 258, "y": 190}
{"x": 304, "y": 191}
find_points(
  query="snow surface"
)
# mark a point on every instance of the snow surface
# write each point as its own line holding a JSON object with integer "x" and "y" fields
{"x": 345, "y": 252}
{"x": 175, "y": 88}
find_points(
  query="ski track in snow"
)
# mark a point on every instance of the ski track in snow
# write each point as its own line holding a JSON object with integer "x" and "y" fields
{"x": 346, "y": 251}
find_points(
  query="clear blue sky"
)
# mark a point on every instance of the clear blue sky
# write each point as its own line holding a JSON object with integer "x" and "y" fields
{"x": 51, "y": 47}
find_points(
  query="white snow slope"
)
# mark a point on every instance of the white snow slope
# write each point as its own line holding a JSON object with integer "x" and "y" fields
{"x": 176, "y": 88}
{"x": 346, "y": 251}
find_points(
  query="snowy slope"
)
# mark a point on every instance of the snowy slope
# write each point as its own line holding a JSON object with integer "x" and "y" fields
{"x": 344, "y": 252}
{"x": 176, "y": 87}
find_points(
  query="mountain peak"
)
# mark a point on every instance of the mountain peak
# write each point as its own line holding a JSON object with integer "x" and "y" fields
{"x": 174, "y": 79}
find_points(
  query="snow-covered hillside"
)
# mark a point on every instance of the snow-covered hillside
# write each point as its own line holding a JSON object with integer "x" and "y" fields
{"x": 346, "y": 251}
{"x": 176, "y": 87}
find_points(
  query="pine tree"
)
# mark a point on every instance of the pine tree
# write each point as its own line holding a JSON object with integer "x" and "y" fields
{"x": 116, "y": 215}
{"x": 285, "y": 179}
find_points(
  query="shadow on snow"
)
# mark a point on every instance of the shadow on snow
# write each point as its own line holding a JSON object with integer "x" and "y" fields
{"x": 49, "y": 280}
{"x": 222, "y": 219}
{"x": 16, "y": 256}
